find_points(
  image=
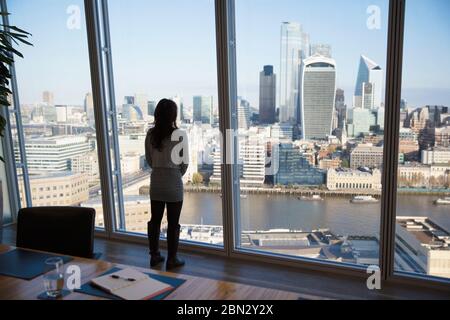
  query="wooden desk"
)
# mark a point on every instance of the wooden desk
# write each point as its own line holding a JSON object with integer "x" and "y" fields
{"x": 195, "y": 288}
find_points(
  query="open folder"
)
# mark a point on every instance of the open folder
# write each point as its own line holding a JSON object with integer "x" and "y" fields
{"x": 130, "y": 284}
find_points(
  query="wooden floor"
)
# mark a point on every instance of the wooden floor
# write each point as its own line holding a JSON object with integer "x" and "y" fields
{"x": 315, "y": 285}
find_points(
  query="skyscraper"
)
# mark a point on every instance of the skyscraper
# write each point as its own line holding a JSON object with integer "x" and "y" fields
{"x": 341, "y": 108}
{"x": 243, "y": 111}
{"x": 267, "y": 95}
{"x": 89, "y": 108}
{"x": 141, "y": 100}
{"x": 48, "y": 98}
{"x": 369, "y": 72}
{"x": 179, "y": 102}
{"x": 321, "y": 49}
{"x": 318, "y": 97}
{"x": 291, "y": 46}
{"x": 203, "y": 109}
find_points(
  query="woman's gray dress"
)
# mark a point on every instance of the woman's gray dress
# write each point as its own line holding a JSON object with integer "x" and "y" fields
{"x": 167, "y": 171}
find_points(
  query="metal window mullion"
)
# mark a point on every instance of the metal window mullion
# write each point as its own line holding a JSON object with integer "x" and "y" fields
{"x": 391, "y": 129}
{"x": 226, "y": 91}
{"x": 100, "y": 107}
{"x": 113, "y": 114}
{"x": 20, "y": 133}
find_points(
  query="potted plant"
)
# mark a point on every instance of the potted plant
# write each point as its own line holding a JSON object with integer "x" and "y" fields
{"x": 9, "y": 36}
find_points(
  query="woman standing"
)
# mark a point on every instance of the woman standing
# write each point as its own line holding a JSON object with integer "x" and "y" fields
{"x": 166, "y": 153}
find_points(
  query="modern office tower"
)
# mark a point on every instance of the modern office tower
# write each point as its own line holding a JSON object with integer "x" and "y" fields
{"x": 380, "y": 118}
{"x": 48, "y": 98}
{"x": 203, "y": 109}
{"x": 132, "y": 113}
{"x": 366, "y": 155}
{"x": 177, "y": 99}
{"x": 267, "y": 95}
{"x": 141, "y": 100}
{"x": 54, "y": 153}
{"x": 369, "y": 72}
{"x": 341, "y": 108}
{"x": 89, "y": 108}
{"x": 128, "y": 100}
{"x": 252, "y": 153}
{"x": 345, "y": 179}
{"x": 361, "y": 121}
{"x": 403, "y": 104}
{"x": 88, "y": 164}
{"x": 151, "y": 106}
{"x": 57, "y": 189}
{"x": 295, "y": 169}
{"x": 368, "y": 96}
{"x": 243, "y": 112}
{"x": 318, "y": 97}
{"x": 282, "y": 131}
{"x": 290, "y": 61}
{"x": 321, "y": 49}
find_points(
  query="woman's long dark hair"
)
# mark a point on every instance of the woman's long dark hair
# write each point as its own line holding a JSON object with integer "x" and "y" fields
{"x": 165, "y": 122}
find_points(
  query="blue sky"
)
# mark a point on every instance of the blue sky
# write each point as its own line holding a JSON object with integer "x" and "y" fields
{"x": 163, "y": 48}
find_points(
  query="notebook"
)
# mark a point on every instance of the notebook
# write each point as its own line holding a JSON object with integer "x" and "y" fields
{"x": 130, "y": 284}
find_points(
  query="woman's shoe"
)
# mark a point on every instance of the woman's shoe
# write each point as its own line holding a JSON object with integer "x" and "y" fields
{"x": 174, "y": 263}
{"x": 156, "y": 259}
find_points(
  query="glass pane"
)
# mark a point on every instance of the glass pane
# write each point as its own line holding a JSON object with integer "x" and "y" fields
{"x": 177, "y": 62}
{"x": 5, "y": 214}
{"x": 423, "y": 198}
{"x": 310, "y": 115}
{"x": 56, "y": 103}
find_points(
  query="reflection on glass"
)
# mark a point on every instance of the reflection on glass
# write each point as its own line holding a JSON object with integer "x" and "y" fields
{"x": 423, "y": 206}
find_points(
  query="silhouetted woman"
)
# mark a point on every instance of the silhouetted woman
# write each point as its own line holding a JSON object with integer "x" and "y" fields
{"x": 166, "y": 153}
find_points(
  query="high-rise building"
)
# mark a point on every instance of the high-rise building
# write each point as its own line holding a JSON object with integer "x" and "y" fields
{"x": 341, "y": 108}
{"x": 368, "y": 96}
{"x": 180, "y": 114}
{"x": 267, "y": 95}
{"x": 369, "y": 72}
{"x": 290, "y": 60}
{"x": 141, "y": 100}
{"x": 321, "y": 49}
{"x": 151, "y": 106}
{"x": 203, "y": 109}
{"x": 252, "y": 152}
{"x": 131, "y": 112}
{"x": 89, "y": 108}
{"x": 318, "y": 97}
{"x": 54, "y": 153}
{"x": 243, "y": 112}
{"x": 48, "y": 98}
{"x": 128, "y": 100}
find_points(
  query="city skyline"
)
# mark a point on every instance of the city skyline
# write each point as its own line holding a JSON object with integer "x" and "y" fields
{"x": 418, "y": 90}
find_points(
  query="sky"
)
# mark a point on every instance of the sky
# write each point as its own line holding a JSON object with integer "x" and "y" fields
{"x": 166, "y": 48}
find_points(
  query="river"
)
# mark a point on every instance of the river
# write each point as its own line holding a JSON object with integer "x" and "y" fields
{"x": 262, "y": 212}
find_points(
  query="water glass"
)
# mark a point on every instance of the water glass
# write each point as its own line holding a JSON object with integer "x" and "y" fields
{"x": 54, "y": 277}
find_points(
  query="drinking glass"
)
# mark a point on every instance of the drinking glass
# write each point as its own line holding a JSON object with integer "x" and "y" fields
{"x": 54, "y": 277}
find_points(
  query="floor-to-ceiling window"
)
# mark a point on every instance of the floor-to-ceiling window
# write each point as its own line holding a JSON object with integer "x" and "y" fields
{"x": 310, "y": 121}
{"x": 6, "y": 216}
{"x": 57, "y": 109}
{"x": 166, "y": 49}
{"x": 423, "y": 197}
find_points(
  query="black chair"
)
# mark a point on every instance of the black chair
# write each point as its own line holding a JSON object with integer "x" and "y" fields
{"x": 63, "y": 230}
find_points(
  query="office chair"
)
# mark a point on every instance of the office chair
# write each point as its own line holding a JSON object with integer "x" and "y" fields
{"x": 63, "y": 230}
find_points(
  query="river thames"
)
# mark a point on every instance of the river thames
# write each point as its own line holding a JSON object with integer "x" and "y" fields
{"x": 263, "y": 212}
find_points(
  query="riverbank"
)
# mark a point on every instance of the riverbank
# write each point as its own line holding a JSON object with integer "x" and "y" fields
{"x": 322, "y": 192}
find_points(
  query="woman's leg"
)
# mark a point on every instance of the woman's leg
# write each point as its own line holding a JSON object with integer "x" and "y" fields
{"x": 154, "y": 230}
{"x": 173, "y": 234}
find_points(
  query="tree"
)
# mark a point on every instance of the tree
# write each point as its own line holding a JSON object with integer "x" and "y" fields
{"x": 9, "y": 35}
{"x": 197, "y": 178}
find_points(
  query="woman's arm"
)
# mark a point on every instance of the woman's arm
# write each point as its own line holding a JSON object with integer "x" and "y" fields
{"x": 148, "y": 149}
